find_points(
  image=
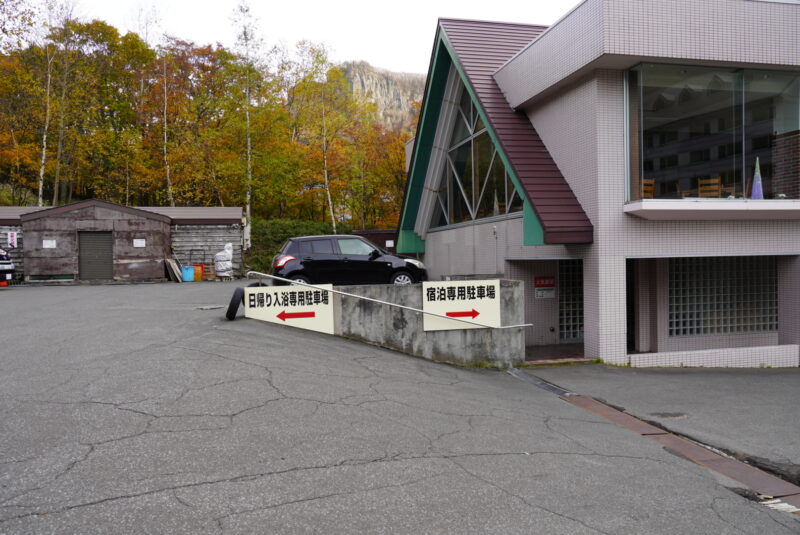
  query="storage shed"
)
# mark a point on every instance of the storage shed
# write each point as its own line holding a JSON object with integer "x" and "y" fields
{"x": 95, "y": 240}
{"x": 101, "y": 240}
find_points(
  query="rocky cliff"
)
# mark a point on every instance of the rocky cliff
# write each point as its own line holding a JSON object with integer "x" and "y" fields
{"x": 392, "y": 92}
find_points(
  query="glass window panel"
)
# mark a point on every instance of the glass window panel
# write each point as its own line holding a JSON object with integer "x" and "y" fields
{"x": 460, "y": 131}
{"x": 459, "y": 211}
{"x": 493, "y": 201}
{"x": 478, "y": 124}
{"x": 483, "y": 151}
{"x": 322, "y": 246}
{"x": 680, "y": 116}
{"x": 713, "y": 132}
{"x": 515, "y": 205}
{"x": 465, "y": 105}
{"x": 354, "y": 246}
{"x": 461, "y": 159}
{"x": 771, "y": 137}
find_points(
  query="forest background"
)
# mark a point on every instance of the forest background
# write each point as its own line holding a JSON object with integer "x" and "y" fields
{"x": 88, "y": 113}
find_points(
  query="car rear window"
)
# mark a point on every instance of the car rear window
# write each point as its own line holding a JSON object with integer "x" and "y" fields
{"x": 292, "y": 247}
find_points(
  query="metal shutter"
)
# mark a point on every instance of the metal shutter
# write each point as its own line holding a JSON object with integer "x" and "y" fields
{"x": 95, "y": 255}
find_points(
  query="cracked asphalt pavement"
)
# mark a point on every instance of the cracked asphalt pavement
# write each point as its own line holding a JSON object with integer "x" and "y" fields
{"x": 139, "y": 409}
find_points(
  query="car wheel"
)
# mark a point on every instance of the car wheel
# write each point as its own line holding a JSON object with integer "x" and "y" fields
{"x": 256, "y": 284}
{"x": 299, "y": 278}
{"x": 401, "y": 278}
{"x": 236, "y": 300}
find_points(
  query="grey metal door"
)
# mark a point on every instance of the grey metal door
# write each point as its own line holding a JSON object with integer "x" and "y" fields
{"x": 95, "y": 255}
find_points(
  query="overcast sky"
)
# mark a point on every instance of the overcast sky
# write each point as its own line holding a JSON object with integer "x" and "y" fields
{"x": 394, "y": 35}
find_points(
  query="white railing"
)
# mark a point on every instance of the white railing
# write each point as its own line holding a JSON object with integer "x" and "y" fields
{"x": 258, "y": 274}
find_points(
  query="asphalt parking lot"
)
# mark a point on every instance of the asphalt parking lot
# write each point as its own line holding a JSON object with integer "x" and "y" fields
{"x": 139, "y": 409}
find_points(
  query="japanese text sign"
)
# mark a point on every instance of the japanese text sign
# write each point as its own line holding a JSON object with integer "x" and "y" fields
{"x": 477, "y": 301}
{"x": 299, "y": 306}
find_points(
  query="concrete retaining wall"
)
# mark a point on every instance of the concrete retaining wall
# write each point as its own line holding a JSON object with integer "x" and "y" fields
{"x": 399, "y": 329}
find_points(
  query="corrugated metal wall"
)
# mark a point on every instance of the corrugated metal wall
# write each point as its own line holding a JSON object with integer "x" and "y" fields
{"x": 197, "y": 244}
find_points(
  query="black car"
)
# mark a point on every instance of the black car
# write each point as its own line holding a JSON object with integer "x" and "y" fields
{"x": 343, "y": 260}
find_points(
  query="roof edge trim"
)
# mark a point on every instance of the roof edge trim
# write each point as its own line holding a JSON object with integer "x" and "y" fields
{"x": 57, "y": 210}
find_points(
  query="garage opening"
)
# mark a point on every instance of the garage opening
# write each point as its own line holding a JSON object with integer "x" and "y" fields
{"x": 95, "y": 256}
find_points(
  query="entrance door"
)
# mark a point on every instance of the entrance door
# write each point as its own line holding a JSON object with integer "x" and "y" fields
{"x": 95, "y": 256}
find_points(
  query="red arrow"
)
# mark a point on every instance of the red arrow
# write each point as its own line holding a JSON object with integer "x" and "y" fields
{"x": 467, "y": 314}
{"x": 283, "y": 316}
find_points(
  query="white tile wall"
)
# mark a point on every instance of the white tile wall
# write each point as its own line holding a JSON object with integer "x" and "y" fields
{"x": 784, "y": 356}
{"x": 620, "y": 33}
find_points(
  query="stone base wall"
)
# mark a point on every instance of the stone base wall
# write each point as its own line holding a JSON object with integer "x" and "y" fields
{"x": 402, "y": 330}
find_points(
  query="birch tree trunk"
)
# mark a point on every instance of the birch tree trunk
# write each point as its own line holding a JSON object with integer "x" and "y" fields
{"x": 249, "y": 186}
{"x": 166, "y": 160}
{"x": 60, "y": 144}
{"x": 325, "y": 162}
{"x": 46, "y": 124}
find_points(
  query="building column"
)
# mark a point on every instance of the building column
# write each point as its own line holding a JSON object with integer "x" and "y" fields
{"x": 788, "y": 299}
{"x": 604, "y": 308}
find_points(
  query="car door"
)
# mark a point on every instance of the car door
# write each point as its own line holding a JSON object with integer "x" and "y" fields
{"x": 359, "y": 263}
{"x": 318, "y": 260}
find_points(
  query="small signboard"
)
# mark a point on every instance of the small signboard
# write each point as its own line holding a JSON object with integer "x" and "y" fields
{"x": 12, "y": 240}
{"x": 299, "y": 306}
{"x": 544, "y": 287}
{"x": 48, "y": 244}
{"x": 474, "y": 301}
{"x": 139, "y": 242}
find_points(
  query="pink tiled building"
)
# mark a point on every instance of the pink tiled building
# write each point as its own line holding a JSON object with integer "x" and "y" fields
{"x": 637, "y": 165}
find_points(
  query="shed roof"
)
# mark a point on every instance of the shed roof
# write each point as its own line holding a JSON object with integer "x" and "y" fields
{"x": 10, "y": 215}
{"x": 58, "y": 210}
{"x": 183, "y": 215}
{"x": 199, "y": 215}
{"x": 481, "y": 47}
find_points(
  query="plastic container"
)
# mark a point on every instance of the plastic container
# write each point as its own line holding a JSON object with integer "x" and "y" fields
{"x": 199, "y": 271}
{"x": 187, "y": 273}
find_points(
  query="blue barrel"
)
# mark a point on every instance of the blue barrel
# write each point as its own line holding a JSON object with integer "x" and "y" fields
{"x": 187, "y": 273}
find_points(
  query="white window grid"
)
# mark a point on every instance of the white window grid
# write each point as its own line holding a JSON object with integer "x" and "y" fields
{"x": 570, "y": 301}
{"x": 722, "y": 295}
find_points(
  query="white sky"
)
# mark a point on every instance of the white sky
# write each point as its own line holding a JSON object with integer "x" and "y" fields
{"x": 394, "y": 35}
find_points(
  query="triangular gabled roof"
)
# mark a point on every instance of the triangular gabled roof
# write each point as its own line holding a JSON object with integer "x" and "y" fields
{"x": 478, "y": 49}
{"x": 56, "y": 210}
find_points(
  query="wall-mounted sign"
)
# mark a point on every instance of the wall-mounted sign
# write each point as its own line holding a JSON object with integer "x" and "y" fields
{"x": 12, "y": 240}
{"x": 299, "y": 306}
{"x": 48, "y": 244}
{"x": 389, "y": 243}
{"x": 137, "y": 242}
{"x": 477, "y": 301}
{"x": 544, "y": 287}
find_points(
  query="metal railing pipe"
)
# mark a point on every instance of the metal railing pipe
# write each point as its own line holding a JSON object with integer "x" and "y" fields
{"x": 417, "y": 310}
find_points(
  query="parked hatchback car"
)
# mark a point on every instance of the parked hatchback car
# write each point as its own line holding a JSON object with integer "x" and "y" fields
{"x": 344, "y": 260}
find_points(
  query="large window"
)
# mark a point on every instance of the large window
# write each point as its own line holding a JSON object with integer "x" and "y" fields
{"x": 474, "y": 182}
{"x": 713, "y": 133}
{"x": 723, "y": 295}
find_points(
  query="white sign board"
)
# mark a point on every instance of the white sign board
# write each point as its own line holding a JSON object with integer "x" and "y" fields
{"x": 12, "y": 240}
{"x": 299, "y": 306}
{"x": 137, "y": 242}
{"x": 477, "y": 301}
{"x": 48, "y": 244}
{"x": 545, "y": 293}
